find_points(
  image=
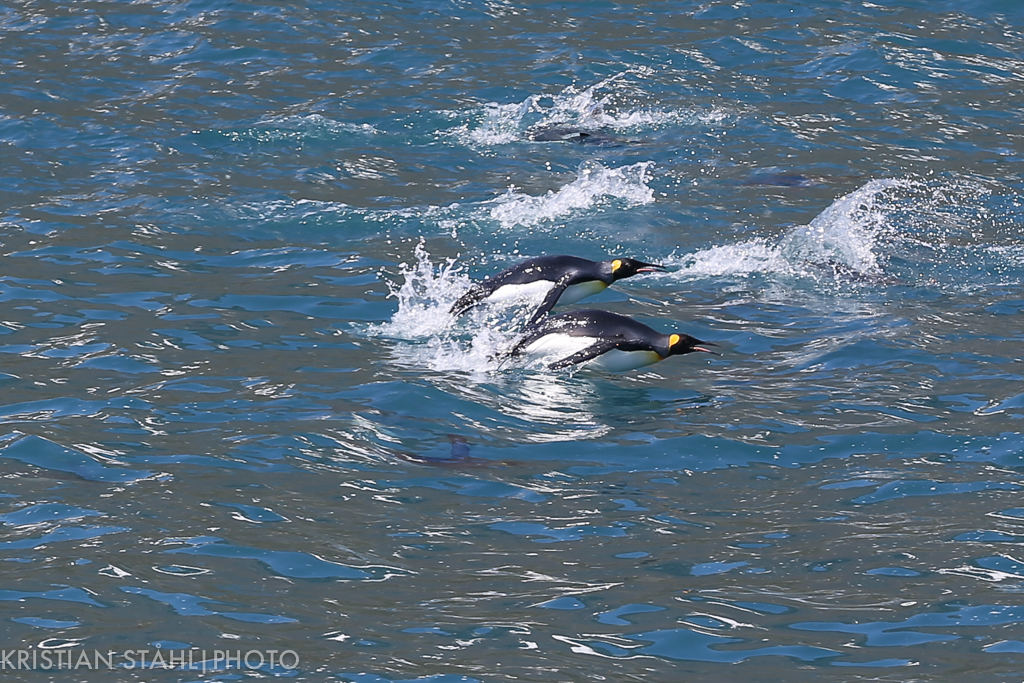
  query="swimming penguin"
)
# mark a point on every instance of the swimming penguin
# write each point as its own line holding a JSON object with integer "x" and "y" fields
{"x": 565, "y": 279}
{"x": 578, "y": 135}
{"x": 603, "y": 340}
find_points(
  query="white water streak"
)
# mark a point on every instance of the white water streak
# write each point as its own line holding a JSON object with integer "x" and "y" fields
{"x": 587, "y": 109}
{"x": 594, "y": 186}
{"x": 849, "y": 236}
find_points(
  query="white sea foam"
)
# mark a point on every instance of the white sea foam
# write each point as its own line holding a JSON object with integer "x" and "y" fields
{"x": 425, "y": 296}
{"x": 595, "y": 186}
{"x": 590, "y": 108}
{"x": 429, "y": 337}
{"x": 844, "y": 239}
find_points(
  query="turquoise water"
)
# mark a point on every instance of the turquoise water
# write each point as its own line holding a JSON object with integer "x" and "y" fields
{"x": 238, "y": 416}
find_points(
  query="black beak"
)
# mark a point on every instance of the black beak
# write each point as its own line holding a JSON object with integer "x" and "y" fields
{"x": 650, "y": 268}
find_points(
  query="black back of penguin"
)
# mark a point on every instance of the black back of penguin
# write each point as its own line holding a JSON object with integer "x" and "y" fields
{"x": 551, "y": 269}
{"x": 560, "y": 272}
{"x": 606, "y": 333}
{"x": 596, "y": 324}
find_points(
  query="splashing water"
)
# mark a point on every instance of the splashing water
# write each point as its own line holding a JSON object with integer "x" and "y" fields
{"x": 846, "y": 232}
{"x": 477, "y": 355}
{"x": 594, "y": 186}
{"x": 425, "y": 298}
{"x": 585, "y": 109}
{"x": 843, "y": 240}
{"x": 435, "y": 339}
{"x": 498, "y": 124}
{"x": 582, "y": 108}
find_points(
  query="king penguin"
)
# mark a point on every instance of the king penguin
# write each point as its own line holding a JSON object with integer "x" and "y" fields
{"x": 560, "y": 279}
{"x": 602, "y": 340}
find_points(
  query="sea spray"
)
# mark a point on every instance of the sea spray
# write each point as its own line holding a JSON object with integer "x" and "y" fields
{"x": 428, "y": 336}
{"x": 846, "y": 233}
{"x": 594, "y": 187}
{"x": 589, "y": 110}
{"x": 844, "y": 242}
{"x": 494, "y": 123}
{"x": 914, "y": 232}
{"x": 497, "y": 124}
{"x": 425, "y": 297}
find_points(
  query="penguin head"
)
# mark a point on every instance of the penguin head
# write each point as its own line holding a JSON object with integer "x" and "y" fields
{"x": 628, "y": 267}
{"x": 679, "y": 344}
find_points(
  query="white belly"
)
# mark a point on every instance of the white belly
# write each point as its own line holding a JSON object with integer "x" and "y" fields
{"x": 554, "y": 347}
{"x": 532, "y": 290}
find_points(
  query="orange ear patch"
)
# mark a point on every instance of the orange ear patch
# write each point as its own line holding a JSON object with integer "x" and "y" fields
{"x": 673, "y": 340}
{"x": 616, "y": 264}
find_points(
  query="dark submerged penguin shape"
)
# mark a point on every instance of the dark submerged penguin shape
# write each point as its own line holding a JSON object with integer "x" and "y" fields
{"x": 577, "y": 135}
{"x": 608, "y": 341}
{"x": 565, "y": 279}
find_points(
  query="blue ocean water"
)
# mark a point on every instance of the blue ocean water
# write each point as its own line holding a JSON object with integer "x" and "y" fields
{"x": 240, "y": 416}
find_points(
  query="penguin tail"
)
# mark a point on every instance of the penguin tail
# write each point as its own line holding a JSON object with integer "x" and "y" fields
{"x": 467, "y": 301}
{"x": 514, "y": 351}
{"x": 500, "y": 358}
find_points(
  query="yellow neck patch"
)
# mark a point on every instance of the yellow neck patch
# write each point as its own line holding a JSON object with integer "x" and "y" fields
{"x": 616, "y": 264}
{"x": 673, "y": 340}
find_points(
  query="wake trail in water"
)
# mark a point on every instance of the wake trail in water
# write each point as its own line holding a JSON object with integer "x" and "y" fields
{"x": 844, "y": 238}
{"x": 889, "y": 231}
{"x": 594, "y": 187}
{"x": 589, "y": 109}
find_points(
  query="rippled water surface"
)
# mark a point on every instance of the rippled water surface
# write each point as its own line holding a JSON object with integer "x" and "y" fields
{"x": 237, "y": 414}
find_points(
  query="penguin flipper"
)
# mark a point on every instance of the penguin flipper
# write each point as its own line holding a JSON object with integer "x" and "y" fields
{"x": 550, "y": 299}
{"x": 589, "y": 353}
